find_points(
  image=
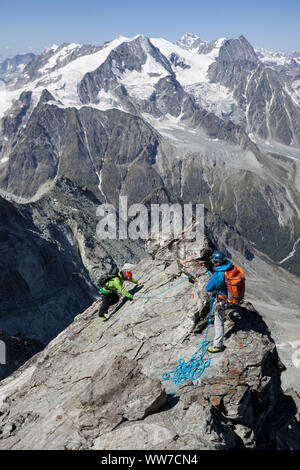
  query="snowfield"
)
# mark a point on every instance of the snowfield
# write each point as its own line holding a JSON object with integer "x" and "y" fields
{"x": 62, "y": 81}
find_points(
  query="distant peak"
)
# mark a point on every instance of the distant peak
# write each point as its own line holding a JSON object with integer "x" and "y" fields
{"x": 189, "y": 36}
{"x": 46, "y": 96}
{"x": 187, "y": 40}
{"x": 140, "y": 36}
{"x": 51, "y": 48}
{"x": 143, "y": 40}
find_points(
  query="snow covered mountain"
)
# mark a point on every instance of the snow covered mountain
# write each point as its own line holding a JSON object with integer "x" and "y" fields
{"x": 285, "y": 60}
{"x": 225, "y": 77}
{"x": 11, "y": 68}
{"x": 188, "y": 40}
{"x": 208, "y": 121}
{"x": 281, "y": 60}
{"x": 66, "y": 70}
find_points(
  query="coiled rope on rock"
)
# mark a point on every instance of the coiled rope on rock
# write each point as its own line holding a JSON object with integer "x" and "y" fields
{"x": 200, "y": 360}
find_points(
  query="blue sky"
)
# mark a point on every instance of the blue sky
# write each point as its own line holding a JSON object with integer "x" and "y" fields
{"x": 31, "y": 25}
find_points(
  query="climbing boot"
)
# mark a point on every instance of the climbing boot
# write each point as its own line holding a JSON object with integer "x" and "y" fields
{"x": 215, "y": 349}
{"x": 102, "y": 318}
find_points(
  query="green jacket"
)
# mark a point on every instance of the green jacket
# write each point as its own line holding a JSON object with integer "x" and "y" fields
{"x": 116, "y": 283}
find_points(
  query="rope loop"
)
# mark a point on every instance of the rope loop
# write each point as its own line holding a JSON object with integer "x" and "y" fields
{"x": 196, "y": 365}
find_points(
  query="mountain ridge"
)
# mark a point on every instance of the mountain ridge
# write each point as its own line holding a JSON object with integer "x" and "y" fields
{"x": 219, "y": 105}
{"x": 98, "y": 385}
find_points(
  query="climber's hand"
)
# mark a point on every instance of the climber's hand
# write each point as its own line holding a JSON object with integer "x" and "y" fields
{"x": 135, "y": 298}
{"x": 140, "y": 283}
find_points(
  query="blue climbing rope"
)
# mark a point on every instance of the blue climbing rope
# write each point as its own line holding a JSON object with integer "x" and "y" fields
{"x": 194, "y": 367}
{"x": 169, "y": 288}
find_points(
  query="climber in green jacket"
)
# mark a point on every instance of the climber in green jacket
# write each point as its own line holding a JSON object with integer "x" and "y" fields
{"x": 109, "y": 290}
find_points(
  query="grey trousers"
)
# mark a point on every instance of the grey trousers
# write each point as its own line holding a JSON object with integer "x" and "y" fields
{"x": 219, "y": 313}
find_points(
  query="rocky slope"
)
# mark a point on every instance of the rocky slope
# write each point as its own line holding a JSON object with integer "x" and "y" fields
{"x": 271, "y": 289}
{"x": 97, "y": 385}
{"x": 105, "y": 150}
{"x": 50, "y": 256}
{"x": 267, "y": 113}
{"x": 156, "y": 122}
{"x": 255, "y": 76}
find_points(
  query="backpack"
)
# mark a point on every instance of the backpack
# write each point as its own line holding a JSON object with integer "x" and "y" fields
{"x": 107, "y": 276}
{"x": 235, "y": 283}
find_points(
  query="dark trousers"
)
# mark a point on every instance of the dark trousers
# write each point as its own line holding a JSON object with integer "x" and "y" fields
{"x": 106, "y": 301}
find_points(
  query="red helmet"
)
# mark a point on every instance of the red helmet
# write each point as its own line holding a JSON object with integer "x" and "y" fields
{"x": 127, "y": 275}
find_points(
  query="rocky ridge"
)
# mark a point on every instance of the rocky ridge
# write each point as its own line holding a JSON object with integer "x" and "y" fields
{"x": 97, "y": 385}
{"x": 109, "y": 150}
{"x": 50, "y": 260}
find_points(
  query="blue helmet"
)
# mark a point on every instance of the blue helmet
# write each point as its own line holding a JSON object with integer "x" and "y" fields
{"x": 218, "y": 257}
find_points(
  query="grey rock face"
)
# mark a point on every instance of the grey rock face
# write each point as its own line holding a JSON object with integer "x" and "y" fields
{"x": 109, "y": 150}
{"x": 235, "y": 50}
{"x": 121, "y": 394}
{"x": 12, "y": 122}
{"x": 252, "y": 192}
{"x": 167, "y": 96}
{"x": 80, "y": 144}
{"x": 219, "y": 129}
{"x": 17, "y": 351}
{"x": 34, "y": 69}
{"x": 126, "y": 57}
{"x": 37, "y": 285}
{"x": 177, "y": 61}
{"x": 261, "y": 92}
{"x": 12, "y": 125}
{"x": 96, "y": 386}
{"x": 50, "y": 258}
